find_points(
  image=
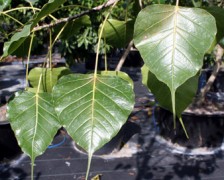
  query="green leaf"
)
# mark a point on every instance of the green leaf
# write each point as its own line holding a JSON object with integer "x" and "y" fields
{"x": 16, "y": 40}
{"x": 184, "y": 94}
{"x": 120, "y": 74}
{"x": 118, "y": 33}
{"x": 47, "y": 9}
{"x": 173, "y": 40}
{"x": 218, "y": 13}
{"x": 93, "y": 108}
{"x": 49, "y": 77}
{"x": 4, "y": 4}
{"x": 73, "y": 27}
{"x": 23, "y": 48}
{"x": 34, "y": 121}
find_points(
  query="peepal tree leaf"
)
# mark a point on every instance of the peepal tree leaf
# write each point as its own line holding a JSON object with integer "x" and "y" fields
{"x": 93, "y": 108}
{"x": 49, "y": 77}
{"x": 184, "y": 94}
{"x": 118, "y": 33}
{"x": 34, "y": 121}
{"x": 173, "y": 40}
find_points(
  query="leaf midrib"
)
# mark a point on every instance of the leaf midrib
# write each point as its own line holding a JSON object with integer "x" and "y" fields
{"x": 36, "y": 123}
{"x": 90, "y": 151}
{"x": 174, "y": 46}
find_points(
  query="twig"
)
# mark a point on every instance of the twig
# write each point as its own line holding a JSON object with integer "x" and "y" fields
{"x": 214, "y": 74}
{"x": 124, "y": 56}
{"x": 64, "y": 20}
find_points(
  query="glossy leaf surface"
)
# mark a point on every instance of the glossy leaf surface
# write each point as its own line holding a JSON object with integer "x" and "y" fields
{"x": 120, "y": 74}
{"x": 172, "y": 41}
{"x": 34, "y": 121}
{"x": 184, "y": 94}
{"x": 93, "y": 109}
{"x": 118, "y": 33}
{"x": 49, "y": 77}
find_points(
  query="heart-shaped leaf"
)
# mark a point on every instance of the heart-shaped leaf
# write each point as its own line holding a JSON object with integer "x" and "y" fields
{"x": 173, "y": 40}
{"x": 34, "y": 121}
{"x": 93, "y": 108}
{"x": 49, "y": 77}
{"x": 118, "y": 33}
{"x": 184, "y": 94}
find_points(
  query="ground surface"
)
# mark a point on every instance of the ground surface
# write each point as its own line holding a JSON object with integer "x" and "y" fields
{"x": 143, "y": 156}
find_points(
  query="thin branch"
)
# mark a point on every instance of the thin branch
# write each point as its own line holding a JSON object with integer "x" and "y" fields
{"x": 214, "y": 74}
{"x": 124, "y": 56}
{"x": 64, "y": 20}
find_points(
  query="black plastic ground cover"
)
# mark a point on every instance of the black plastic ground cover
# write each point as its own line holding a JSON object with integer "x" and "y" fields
{"x": 152, "y": 160}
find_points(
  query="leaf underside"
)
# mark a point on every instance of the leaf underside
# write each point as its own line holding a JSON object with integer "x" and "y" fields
{"x": 118, "y": 33}
{"x": 184, "y": 94}
{"x": 93, "y": 109}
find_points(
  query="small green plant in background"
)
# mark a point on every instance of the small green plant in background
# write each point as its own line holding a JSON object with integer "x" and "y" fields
{"x": 171, "y": 39}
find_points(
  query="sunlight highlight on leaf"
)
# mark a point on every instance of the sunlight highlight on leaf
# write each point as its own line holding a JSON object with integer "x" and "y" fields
{"x": 92, "y": 114}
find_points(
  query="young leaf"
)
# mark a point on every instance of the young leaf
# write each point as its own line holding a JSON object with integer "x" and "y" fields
{"x": 118, "y": 33}
{"x": 34, "y": 121}
{"x": 93, "y": 109}
{"x": 49, "y": 77}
